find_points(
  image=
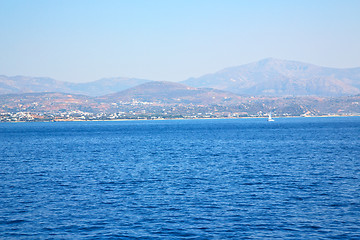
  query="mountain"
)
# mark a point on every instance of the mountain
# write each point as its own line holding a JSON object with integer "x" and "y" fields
{"x": 274, "y": 77}
{"x": 171, "y": 93}
{"x": 106, "y": 86}
{"x": 23, "y": 84}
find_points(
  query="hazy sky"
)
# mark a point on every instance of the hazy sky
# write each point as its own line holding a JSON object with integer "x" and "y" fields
{"x": 171, "y": 40}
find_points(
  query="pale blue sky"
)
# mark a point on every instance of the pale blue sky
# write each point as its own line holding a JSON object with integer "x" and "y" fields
{"x": 171, "y": 40}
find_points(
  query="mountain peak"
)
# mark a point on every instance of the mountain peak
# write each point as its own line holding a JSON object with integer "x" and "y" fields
{"x": 275, "y": 62}
{"x": 268, "y": 60}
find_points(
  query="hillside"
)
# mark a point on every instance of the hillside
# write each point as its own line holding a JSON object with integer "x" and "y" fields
{"x": 47, "y": 102}
{"x": 106, "y": 86}
{"x": 275, "y": 77}
{"x": 176, "y": 102}
{"x": 170, "y": 93}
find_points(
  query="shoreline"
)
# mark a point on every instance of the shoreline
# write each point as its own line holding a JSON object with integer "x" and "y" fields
{"x": 163, "y": 119}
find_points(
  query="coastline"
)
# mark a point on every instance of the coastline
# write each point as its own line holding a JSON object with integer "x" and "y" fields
{"x": 162, "y": 119}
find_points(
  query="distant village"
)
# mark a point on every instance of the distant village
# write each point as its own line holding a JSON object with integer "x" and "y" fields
{"x": 56, "y": 107}
{"x": 77, "y": 115}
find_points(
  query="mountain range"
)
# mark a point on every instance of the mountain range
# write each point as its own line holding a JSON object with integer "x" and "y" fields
{"x": 268, "y": 77}
{"x": 23, "y": 84}
{"x": 274, "y": 77}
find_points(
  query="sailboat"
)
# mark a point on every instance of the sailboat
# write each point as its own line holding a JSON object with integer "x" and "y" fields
{"x": 270, "y": 119}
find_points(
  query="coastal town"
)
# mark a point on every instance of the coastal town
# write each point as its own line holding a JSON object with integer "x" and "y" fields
{"x": 88, "y": 116}
{"x": 53, "y": 107}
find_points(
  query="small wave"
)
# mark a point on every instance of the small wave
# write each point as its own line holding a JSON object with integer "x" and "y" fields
{"x": 17, "y": 221}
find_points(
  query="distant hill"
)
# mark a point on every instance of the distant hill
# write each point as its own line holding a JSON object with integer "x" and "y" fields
{"x": 106, "y": 86}
{"x": 23, "y": 84}
{"x": 275, "y": 77}
{"x": 177, "y": 99}
{"x": 47, "y": 102}
{"x": 170, "y": 92}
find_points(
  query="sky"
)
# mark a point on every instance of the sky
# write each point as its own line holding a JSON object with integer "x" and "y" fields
{"x": 171, "y": 40}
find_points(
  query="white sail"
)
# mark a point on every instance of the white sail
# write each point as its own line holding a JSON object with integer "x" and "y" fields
{"x": 270, "y": 119}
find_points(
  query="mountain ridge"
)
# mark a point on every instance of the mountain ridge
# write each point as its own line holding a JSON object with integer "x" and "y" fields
{"x": 277, "y": 77}
{"x": 267, "y": 77}
{"x": 26, "y": 84}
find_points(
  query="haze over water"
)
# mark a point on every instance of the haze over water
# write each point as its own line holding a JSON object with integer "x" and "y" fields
{"x": 295, "y": 178}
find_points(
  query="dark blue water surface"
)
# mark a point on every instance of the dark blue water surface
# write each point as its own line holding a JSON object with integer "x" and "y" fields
{"x": 295, "y": 178}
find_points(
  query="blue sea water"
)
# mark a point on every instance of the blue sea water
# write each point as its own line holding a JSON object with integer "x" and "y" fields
{"x": 295, "y": 178}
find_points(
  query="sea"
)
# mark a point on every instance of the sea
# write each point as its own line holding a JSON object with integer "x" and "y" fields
{"x": 294, "y": 178}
